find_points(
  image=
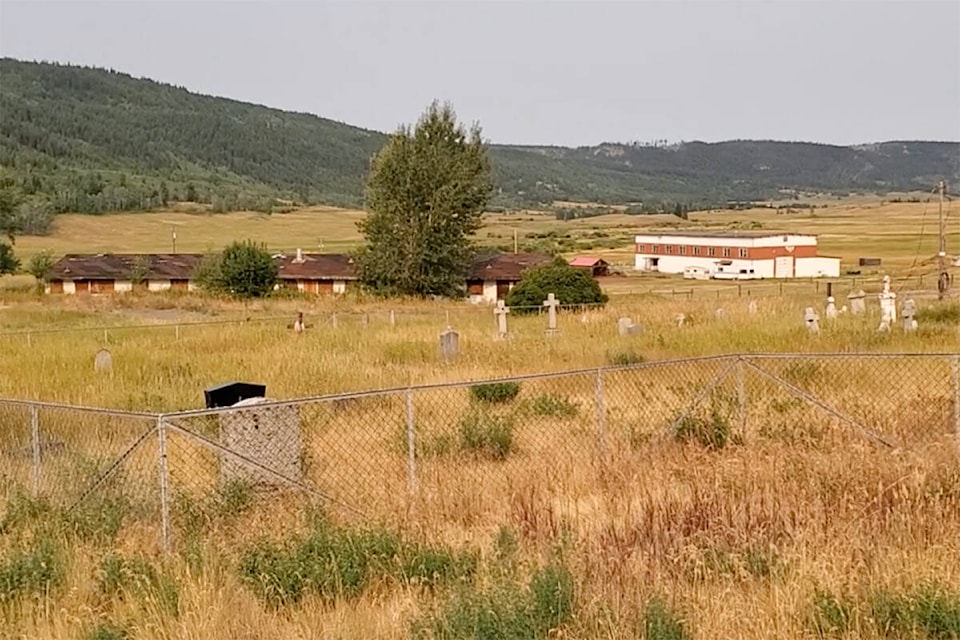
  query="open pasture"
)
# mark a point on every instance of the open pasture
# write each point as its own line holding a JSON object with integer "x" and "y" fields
{"x": 902, "y": 234}
{"x": 696, "y": 499}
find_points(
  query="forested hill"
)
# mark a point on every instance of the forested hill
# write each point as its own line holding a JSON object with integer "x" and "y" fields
{"x": 91, "y": 140}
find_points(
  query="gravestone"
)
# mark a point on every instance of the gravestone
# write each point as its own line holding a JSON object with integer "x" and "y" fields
{"x": 888, "y": 306}
{"x": 103, "y": 361}
{"x": 393, "y": 318}
{"x": 680, "y": 318}
{"x": 269, "y": 436}
{"x": 752, "y": 307}
{"x": 858, "y": 305}
{"x": 719, "y": 314}
{"x": 333, "y": 321}
{"x": 298, "y": 325}
{"x": 501, "y": 312}
{"x": 449, "y": 344}
{"x": 551, "y": 304}
{"x": 831, "y": 310}
{"x": 812, "y": 320}
{"x": 626, "y": 327}
{"x": 909, "y": 313}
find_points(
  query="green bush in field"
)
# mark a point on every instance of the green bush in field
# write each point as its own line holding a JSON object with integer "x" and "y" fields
{"x": 495, "y": 392}
{"x": 547, "y": 405}
{"x": 660, "y": 622}
{"x": 30, "y": 572}
{"x": 118, "y": 575}
{"x": 487, "y": 434}
{"x": 505, "y": 611}
{"x": 570, "y": 286}
{"x": 108, "y": 631}
{"x": 339, "y": 563}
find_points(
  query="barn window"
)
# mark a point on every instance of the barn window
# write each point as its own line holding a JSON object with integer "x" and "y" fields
{"x": 743, "y": 253}
{"x": 683, "y": 249}
{"x": 696, "y": 251}
{"x": 711, "y": 251}
{"x": 726, "y": 252}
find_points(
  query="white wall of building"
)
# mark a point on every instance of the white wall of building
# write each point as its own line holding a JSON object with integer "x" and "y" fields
{"x": 819, "y": 267}
{"x": 122, "y": 286}
{"x": 489, "y": 294}
{"x": 788, "y": 240}
{"x": 158, "y": 285}
{"x": 339, "y": 286}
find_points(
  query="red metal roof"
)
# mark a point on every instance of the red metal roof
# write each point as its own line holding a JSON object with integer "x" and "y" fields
{"x": 587, "y": 261}
{"x": 317, "y": 266}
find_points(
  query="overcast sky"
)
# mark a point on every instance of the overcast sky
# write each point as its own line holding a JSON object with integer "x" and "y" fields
{"x": 570, "y": 73}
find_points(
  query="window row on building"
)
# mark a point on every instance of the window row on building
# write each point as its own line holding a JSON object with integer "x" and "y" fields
{"x": 694, "y": 250}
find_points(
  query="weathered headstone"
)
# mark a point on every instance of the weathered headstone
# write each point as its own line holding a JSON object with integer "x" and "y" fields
{"x": 812, "y": 320}
{"x": 831, "y": 311}
{"x": 626, "y": 327}
{"x": 501, "y": 312}
{"x": 909, "y": 313}
{"x": 858, "y": 305}
{"x": 752, "y": 307}
{"x": 888, "y": 306}
{"x": 333, "y": 321}
{"x": 551, "y": 304}
{"x": 680, "y": 318}
{"x": 298, "y": 325}
{"x": 719, "y": 314}
{"x": 393, "y": 318}
{"x": 449, "y": 344}
{"x": 268, "y": 436}
{"x": 103, "y": 361}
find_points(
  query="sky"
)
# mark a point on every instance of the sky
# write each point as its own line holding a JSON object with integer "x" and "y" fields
{"x": 558, "y": 72}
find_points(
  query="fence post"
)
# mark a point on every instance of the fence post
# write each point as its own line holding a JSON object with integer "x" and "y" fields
{"x": 601, "y": 413}
{"x": 35, "y": 442}
{"x": 164, "y": 485}
{"x": 411, "y": 444}
{"x": 741, "y": 396}
{"x": 956, "y": 397}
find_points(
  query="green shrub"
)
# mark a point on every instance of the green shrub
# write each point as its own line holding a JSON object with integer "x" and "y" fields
{"x": 117, "y": 575}
{"x": 108, "y": 631}
{"x": 30, "y": 572}
{"x": 486, "y": 434}
{"x": 928, "y": 611}
{"x": 505, "y": 611}
{"x": 335, "y": 563}
{"x": 546, "y": 405}
{"x": 243, "y": 269}
{"x": 235, "y": 497}
{"x": 660, "y": 622}
{"x": 712, "y": 431}
{"x": 495, "y": 392}
{"x": 831, "y": 616}
{"x": 940, "y": 314}
{"x": 570, "y": 286}
{"x": 624, "y": 358}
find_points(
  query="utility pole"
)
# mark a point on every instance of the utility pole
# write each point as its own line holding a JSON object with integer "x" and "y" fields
{"x": 943, "y": 278}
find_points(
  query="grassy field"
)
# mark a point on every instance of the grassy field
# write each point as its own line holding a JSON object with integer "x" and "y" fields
{"x": 760, "y": 516}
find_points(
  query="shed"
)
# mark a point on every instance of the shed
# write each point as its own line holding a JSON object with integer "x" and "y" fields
{"x": 598, "y": 267}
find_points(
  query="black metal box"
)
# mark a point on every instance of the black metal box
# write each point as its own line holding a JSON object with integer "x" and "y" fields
{"x": 230, "y": 393}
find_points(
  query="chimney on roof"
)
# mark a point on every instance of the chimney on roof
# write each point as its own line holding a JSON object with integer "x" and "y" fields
{"x": 299, "y": 257}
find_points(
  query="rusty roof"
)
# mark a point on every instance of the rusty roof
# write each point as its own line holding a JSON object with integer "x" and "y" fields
{"x": 122, "y": 266}
{"x": 505, "y": 266}
{"x": 587, "y": 261}
{"x": 317, "y": 266}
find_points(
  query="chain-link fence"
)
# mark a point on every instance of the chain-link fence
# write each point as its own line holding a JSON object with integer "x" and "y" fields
{"x": 466, "y": 455}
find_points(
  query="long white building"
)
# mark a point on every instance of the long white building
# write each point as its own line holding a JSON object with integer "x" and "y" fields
{"x": 734, "y": 254}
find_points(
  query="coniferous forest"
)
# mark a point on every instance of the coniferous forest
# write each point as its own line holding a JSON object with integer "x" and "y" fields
{"x": 75, "y": 139}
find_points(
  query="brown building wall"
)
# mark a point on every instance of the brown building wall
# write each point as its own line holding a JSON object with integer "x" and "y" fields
{"x": 751, "y": 253}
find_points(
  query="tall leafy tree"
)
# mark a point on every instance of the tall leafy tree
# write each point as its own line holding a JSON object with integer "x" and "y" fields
{"x": 8, "y": 226}
{"x": 425, "y": 194}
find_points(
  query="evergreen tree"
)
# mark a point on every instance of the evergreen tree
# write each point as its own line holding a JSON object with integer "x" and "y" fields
{"x": 425, "y": 194}
{"x": 8, "y": 261}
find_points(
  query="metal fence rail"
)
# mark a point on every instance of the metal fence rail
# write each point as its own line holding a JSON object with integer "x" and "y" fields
{"x": 466, "y": 453}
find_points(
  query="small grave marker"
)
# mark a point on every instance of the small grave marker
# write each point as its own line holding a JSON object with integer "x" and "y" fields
{"x": 719, "y": 314}
{"x": 501, "y": 312}
{"x": 626, "y": 327}
{"x": 752, "y": 307}
{"x": 812, "y": 320}
{"x": 858, "y": 306}
{"x": 831, "y": 310}
{"x": 298, "y": 325}
{"x": 909, "y": 313}
{"x": 888, "y": 306}
{"x": 680, "y": 318}
{"x": 103, "y": 361}
{"x": 449, "y": 344}
{"x": 551, "y": 304}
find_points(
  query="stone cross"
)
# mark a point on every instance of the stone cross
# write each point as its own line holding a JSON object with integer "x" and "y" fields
{"x": 909, "y": 312}
{"x": 501, "y": 312}
{"x": 680, "y": 318}
{"x": 103, "y": 361}
{"x": 551, "y": 304}
{"x": 719, "y": 314}
{"x": 449, "y": 344}
{"x": 812, "y": 320}
{"x": 298, "y": 325}
{"x": 857, "y": 304}
{"x": 831, "y": 310}
{"x": 888, "y": 306}
{"x": 625, "y": 327}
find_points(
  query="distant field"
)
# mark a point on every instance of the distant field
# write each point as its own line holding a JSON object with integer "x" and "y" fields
{"x": 899, "y": 233}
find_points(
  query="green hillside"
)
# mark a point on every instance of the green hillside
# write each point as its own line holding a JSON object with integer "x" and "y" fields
{"x": 92, "y": 141}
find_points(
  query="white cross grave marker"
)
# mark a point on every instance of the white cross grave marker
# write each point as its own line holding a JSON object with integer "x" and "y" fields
{"x": 551, "y": 303}
{"x": 501, "y": 312}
